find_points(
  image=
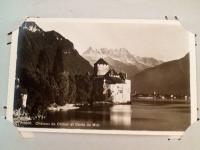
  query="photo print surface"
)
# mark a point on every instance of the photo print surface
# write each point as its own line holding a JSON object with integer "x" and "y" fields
{"x": 102, "y": 75}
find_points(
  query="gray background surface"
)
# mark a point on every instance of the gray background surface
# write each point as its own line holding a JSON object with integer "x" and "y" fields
{"x": 12, "y": 14}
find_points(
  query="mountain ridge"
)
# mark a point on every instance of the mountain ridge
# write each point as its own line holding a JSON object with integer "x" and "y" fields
{"x": 171, "y": 77}
{"x": 122, "y": 55}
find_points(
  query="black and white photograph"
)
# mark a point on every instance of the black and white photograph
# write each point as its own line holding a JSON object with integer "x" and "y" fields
{"x": 102, "y": 75}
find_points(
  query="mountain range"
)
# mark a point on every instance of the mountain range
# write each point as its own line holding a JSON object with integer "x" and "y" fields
{"x": 120, "y": 60}
{"x": 147, "y": 74}
{"x": 120, "y": 55}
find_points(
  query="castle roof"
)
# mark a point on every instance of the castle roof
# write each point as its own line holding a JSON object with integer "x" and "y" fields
{"x": 112, "y": 77}
{"x": 101, "y": 61}
{"x": 112, "y": 72}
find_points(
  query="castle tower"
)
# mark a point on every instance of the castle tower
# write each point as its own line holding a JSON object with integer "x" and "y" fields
{"x": 101, "y": 67}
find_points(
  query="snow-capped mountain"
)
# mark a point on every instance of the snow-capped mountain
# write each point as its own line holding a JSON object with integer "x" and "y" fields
{"x": 122, "y": 55}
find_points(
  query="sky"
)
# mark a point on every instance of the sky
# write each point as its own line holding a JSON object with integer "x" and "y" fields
{"x": 163, "y": 40}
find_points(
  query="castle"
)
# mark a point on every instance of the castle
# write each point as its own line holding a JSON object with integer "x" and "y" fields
{"x": 116, "y": 87}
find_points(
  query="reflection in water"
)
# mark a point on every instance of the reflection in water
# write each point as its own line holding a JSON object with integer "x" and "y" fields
{"x": 120, "y": 115}
{"x": 138, "y": 116}
{"x": 114, "y": 116}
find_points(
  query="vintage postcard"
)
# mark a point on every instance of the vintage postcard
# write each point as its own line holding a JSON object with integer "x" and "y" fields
{"x": 109, "y": 76}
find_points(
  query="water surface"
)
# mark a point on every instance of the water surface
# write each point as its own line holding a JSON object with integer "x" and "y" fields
{"x": 136, "y": 116}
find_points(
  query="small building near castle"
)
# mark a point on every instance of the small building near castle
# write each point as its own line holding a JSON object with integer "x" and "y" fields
{"x": 116, "y": 86}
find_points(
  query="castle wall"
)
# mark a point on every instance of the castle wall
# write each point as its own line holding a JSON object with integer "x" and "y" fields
{"x": 127, "y": 90}
{"x": 121, "y": 93}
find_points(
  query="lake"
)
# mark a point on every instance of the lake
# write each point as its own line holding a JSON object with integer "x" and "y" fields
{"x": 140, "y": 115}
